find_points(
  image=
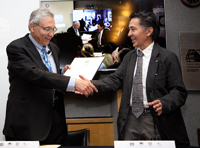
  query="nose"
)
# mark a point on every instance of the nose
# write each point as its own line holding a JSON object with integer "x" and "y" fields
{"x": 129, "y": 33}
{"x": 51, "y": 33}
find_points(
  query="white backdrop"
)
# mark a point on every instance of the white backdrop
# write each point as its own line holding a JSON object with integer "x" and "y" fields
{"x": 14, "y": 15}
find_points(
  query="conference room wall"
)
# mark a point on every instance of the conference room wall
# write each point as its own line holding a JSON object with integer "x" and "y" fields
{"x": 15, "y": 15}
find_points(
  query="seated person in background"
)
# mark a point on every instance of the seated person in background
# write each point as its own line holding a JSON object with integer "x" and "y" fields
{"x": 74, "y": 29}
{"x": 120, "y": 57}
{"x": 107, "y": 50}
{"x": 88, "y": 51}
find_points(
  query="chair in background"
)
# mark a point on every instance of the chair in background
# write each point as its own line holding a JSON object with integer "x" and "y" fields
{"x": 79, "y": 138}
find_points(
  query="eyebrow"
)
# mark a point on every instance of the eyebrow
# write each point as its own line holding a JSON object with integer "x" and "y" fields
{"x": 131, "y": 27}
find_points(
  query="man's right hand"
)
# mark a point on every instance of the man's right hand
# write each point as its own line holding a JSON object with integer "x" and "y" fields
{"x": 84, "y": 86}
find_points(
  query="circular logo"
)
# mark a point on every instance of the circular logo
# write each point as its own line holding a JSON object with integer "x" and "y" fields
{"x": 191, "y": 3}
{"x": 47, "y": 5}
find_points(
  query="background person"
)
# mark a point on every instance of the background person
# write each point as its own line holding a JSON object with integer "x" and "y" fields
{"x": 100, "y": 37}
{"x": 74, "y": 29}
{"x": 88, "y": 51}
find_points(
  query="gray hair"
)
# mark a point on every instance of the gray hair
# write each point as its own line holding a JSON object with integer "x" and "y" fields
{"x": 76, "y": 22}
{"x": 38, "y": 14}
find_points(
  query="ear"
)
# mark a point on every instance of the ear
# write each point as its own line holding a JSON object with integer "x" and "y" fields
{"x": 32, "y": 27}
{"x": 149, "y": 31}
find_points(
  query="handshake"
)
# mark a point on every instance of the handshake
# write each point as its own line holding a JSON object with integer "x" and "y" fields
{"x": 84, "y": 87}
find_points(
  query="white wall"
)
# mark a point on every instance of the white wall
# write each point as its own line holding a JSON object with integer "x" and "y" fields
{"x": 62, "y": 13}
{"x": 14, "y": 15}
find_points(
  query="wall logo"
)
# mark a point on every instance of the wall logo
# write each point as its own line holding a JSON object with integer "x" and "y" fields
{"x": 4, "y": 25}
{"x": 193, "y": 55}
{"x": 4, "y": 28}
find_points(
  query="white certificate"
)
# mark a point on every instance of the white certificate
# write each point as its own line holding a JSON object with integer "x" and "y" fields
{"x": 86, "y": 67}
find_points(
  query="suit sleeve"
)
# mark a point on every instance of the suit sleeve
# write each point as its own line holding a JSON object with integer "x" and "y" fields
{"x": 112, "y": 82}
{"x": 176, "y": 92}
{"x": 23, "y": 63}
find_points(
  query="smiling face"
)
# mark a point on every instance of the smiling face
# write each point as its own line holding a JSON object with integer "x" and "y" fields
{"x": 140, "y": 37}
{"x": 39, "y": 34}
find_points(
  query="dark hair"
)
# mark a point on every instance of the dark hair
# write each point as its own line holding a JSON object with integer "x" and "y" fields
{"x": 86, "y": 51}
{"x": 101, "y": 24}
{"x": 148, "y": 19}
{"x": 108, "y": 47}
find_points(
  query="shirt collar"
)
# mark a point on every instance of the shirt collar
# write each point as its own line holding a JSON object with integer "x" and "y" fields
{"x": 147, "y": 51}
{"x": 37, "y": 45}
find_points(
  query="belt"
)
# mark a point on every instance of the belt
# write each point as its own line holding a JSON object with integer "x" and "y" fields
{"x": 146, "y": 111}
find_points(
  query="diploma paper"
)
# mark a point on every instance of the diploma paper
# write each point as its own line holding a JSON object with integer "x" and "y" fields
{"x": 86, "y": 67}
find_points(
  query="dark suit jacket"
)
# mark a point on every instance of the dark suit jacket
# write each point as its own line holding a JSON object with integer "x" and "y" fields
{"x": 104, "y": 37}
{"x": 29, "y": 105}
{"x": 71, "y": 31}
{"x": 164, "y": 82}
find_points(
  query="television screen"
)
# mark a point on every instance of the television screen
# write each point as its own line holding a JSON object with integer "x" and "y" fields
{"x": 89, "y": 18}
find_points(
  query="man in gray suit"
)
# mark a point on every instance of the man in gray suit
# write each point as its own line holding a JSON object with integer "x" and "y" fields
{"x": 162, "y": 89}
{"x": 35, "y": 107}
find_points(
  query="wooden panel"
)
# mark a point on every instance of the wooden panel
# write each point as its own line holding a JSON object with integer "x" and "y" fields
{"x": 100, "y": 134}
{"x": 89, "y": 120}
{"x": 119, "y": 97}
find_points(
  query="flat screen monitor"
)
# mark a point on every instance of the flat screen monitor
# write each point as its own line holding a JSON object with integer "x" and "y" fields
{"x": 89, "y": 18}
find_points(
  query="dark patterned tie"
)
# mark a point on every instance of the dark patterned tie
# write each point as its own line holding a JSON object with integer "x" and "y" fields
{"x": 46, "y": 59}
{"x": 137, "y": 90}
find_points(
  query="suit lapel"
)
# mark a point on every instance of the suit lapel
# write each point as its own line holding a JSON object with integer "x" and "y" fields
{"x": 55, "y": 55}
{"x": 153, "y": 65}
{"x": 31, "y": 48}
{"x": 131, "y": 69}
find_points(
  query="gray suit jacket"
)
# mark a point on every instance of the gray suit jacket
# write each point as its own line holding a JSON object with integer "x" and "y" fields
{"x": 164, "y": 82}
{"x": 29, "y": 105}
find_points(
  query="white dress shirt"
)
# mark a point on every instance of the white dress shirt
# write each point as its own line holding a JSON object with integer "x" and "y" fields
{"x": 100, "y": 36}
{"x": 145, "y": 65}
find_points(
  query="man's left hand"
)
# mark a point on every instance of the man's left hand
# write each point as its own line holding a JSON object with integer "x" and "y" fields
{"x": 66, "y": 68}
{"x": 157, "y": 106}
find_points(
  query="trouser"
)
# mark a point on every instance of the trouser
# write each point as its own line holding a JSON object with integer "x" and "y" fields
{"x": 57, "y": 134}
{"x": 141, "y": 128}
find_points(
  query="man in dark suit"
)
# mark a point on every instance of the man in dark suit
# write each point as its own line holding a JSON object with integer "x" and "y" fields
{"x": 101, "y": 36}
{"x": 155, "y": 113}
{"x": 74, "y": 29}
{"x": 35, "y": 109}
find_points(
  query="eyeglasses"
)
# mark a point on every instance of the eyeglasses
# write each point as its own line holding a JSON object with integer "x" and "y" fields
{"x": 47, "y": 29}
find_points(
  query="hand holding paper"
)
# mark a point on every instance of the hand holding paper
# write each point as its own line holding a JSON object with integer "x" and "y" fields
{"x": 84, "y": 86}
{"x": 87, "y": 67}
{"x": 66, "y": 68}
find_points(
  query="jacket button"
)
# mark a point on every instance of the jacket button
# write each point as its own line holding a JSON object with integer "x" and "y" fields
{"x": 124, "y": 118}
{"x": 128, "y": 104}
